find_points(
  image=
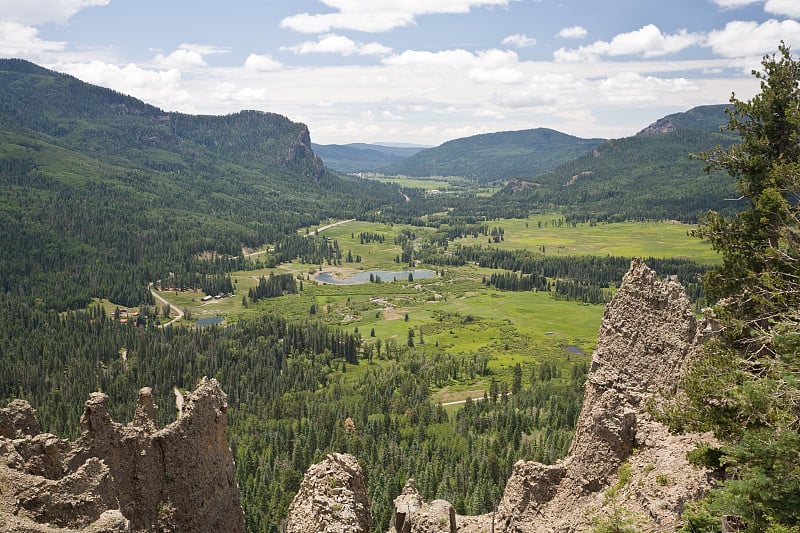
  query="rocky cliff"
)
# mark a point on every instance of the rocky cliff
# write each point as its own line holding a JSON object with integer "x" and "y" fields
{"x": 118, "y": 477}
{"x": 624, "y": 468}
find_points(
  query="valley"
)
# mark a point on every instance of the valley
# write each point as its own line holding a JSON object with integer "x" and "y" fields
{"x": 151, "y": 249}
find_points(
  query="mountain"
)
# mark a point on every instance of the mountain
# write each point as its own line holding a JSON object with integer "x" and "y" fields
{"x": 648, "y": 175}
{"x": 703, "y": 118}
{"x": 362, "y": 157}
{"x": 102, "y": 192}
{"x": 497, "y": 156}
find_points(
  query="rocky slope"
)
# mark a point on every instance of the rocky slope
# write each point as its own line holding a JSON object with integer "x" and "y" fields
{"x": 624, "y": 468}
{"x": 118, "y": 477}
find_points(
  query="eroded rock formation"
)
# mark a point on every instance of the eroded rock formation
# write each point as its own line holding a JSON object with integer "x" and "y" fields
{"x": 332, "y": 499}
{"x": 622, "y": 463}
{"x": 121, "y": 478}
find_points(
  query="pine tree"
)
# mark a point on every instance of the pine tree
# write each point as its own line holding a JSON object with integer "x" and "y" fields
{"x": 745, "y": 385}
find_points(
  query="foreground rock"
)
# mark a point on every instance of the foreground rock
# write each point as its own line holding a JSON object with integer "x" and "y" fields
{"x": 332, "y": 499}
{"x": 121, "y": 478}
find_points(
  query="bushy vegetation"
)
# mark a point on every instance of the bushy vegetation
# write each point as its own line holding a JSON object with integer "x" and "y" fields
{"x": 745, "y": 386}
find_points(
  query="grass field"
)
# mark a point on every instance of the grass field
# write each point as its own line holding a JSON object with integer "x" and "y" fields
{"x": 454, "y": 313}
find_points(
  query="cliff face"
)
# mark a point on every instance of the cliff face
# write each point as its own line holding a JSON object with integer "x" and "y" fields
{"x": 121, "y": 478}
{"x": 623, "y": 467}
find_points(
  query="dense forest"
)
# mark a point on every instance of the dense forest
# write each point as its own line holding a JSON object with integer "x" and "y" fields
{"x": 291, "y": 401}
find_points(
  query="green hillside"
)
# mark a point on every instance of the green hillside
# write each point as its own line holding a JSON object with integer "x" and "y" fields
{"x": 647, "y": 176}
{"x": 101, "y": 193}
{"x": 497, "y": 156}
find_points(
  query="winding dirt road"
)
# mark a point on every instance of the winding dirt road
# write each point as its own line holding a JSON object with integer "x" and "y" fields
{"x": 178, "y": 311}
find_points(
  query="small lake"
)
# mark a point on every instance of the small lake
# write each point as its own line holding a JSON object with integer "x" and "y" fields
{"x": 210, "y": 321}
{"x": 574, "y": 349}
{"x": 385, "y": 275}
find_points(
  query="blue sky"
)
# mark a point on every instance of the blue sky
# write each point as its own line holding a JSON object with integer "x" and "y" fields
{"x": 417, "y": 71}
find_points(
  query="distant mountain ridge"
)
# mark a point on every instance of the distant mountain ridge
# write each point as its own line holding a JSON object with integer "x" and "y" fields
{"x": 497, "y": 156}
{"x": 363, "y": 157}
{"x": 646, "y": 176}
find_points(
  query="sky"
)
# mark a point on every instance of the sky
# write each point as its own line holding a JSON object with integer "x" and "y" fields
{"x": 412, "y": 71}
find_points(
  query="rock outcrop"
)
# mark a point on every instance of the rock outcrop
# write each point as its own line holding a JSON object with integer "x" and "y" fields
{"x": 332, "y": 499}
{"x": 412, "y": 514}
{"x": 623, "y": 465}
{"x": 121, "y": 478}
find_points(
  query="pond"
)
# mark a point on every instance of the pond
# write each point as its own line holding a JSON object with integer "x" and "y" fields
{"x": 210, "y": 321}
{"x": 574, "y": 349}
{"x": 384, "y": 275}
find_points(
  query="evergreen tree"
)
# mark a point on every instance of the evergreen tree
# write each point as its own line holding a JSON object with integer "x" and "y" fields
{"x": 745, "y": 387}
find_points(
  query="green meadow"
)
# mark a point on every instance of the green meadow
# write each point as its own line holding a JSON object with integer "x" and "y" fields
{"x": 453, "y": 313}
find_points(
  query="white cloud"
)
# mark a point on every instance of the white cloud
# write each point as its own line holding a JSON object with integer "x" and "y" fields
{"x": 741, "y": 39}
{"x": 162, "y": 86}
{"x": 229, "y": 92}
{"x": 647, "y": 41}
{"x": 573, "y": 32}
{"x": 17, "y": 40}
{"x": 186, "y": 57}
{"x": 503, "y": 75}
{"x": 632, "y": 87}
{"x": 733, "y": 4}
{"x": 789, "y": 8}
{"x": 35, "y": 12}
{"x": 378, "y": 15}
{"x": 456, "y": 59}
{"x": 338, "y": 44}
{"x": 262, "y": 62}
{"x": 519, "y": 40}
{"x": 523, "y": 98}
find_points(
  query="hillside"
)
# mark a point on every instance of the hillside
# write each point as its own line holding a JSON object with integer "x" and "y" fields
{"x": 649, "y": 175}
{"x": 102, "y": 193}
{"x": 497, "y": 156}
{"x": 703, "y": 118}
{"x": 362, "y": 157}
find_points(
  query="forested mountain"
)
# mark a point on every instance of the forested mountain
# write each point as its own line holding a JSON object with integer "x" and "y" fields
{"x": 362, "y": 157}
{"x": 102, "y": 193}
{"x": 497, "y": 156}
{"x": 704, "y": 118}
{"x": 647, "y": 176}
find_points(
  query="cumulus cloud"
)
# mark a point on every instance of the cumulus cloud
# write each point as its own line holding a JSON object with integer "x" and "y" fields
{"x": 632, "y": 87}
{"x": 519, "y": 40}
{"x": 230, "y": 93}
{"x": 573, "y": 32}
{"x": 503, "y": 75}
{"x": 523, "y": 98}
{"x": 338, "y": 44}
{"x": 186, "y": 57}
{"x": 35, "y": 12}
{"x": 458, "y": 59}
{"x": 741, "y": 39}
{"x": 733, "y": 4}
{"x": 262, "y": 63}
{"x": 789, "y": 8}
{"x": 17, "y": 40}
{"x": 647, "y": 41}
{"x": 378, "y": 15}
{"x": 161, "y": 87}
